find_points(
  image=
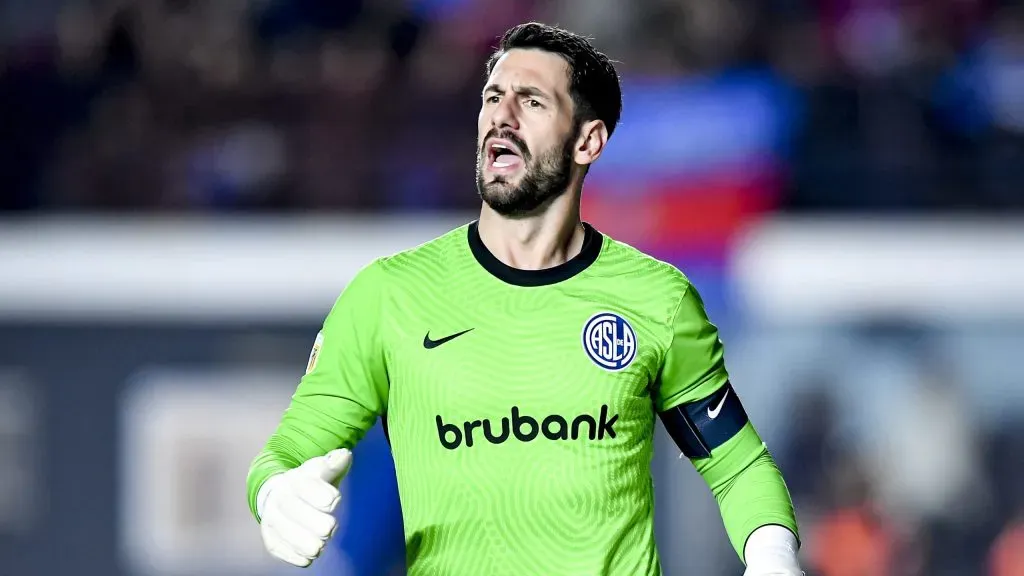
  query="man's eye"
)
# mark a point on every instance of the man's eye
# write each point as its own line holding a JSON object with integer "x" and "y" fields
{"x": 532, "y": 103}
{"x": 491, "y": 99}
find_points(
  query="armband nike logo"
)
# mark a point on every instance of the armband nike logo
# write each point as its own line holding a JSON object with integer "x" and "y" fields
{"x": 713, "y": 413}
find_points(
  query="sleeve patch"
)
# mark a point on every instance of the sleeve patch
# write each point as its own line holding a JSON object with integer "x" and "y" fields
{"x": 314, "y": 354}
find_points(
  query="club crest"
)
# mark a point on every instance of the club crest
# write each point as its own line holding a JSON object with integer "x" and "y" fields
{"x": 609, "y": 341}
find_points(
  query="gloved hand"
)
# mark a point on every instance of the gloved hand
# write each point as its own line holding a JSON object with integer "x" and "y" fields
{"x": 296, "y": 507}
{"x": 772, "y": 551}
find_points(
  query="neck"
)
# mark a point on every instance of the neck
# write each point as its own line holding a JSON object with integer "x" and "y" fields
{"x": 536, "y": 242}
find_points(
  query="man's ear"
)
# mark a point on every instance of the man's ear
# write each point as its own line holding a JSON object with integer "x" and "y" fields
{"x": 593, "y": 135}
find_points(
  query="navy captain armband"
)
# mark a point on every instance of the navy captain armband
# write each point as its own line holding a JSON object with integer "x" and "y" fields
{"x": 701, "y": 426}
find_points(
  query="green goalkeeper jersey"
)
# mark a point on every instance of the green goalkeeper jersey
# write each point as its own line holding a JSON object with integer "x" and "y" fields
{"x": 520, "y": 405}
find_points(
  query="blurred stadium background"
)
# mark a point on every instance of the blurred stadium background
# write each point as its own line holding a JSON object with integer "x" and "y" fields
{"x": 185, "y": 186}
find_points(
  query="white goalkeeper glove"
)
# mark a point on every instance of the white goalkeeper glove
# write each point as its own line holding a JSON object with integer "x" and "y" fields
{"x": 771, "y": 551}
{"x": 296, "y": 507}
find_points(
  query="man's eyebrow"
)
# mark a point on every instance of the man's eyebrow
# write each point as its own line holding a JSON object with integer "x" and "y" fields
{"x": 520, "y": 90}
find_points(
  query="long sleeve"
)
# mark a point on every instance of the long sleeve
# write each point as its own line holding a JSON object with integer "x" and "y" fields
{"x": 344, "y": 389}
{"x": 704, "y": 415}
{"x": 748, "y": 487}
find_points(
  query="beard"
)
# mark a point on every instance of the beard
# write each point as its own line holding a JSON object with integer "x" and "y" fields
{"x": 544, "y": 179}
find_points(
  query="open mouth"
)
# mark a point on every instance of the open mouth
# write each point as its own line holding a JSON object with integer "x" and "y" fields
{"x": 503, "y": 156}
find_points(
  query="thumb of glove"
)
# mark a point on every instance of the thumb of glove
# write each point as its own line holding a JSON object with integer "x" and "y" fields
{"x": 331, "y": 467}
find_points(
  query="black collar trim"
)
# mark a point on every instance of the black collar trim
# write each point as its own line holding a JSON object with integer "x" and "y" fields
{"x": 592, "y": 243}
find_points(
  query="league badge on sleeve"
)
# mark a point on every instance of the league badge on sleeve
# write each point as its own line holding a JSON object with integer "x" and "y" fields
{"x": 314, "y": 354}
{"x": 609, "y": 341}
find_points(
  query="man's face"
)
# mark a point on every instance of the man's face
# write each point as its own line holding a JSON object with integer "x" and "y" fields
{"x": 525, "y": 132}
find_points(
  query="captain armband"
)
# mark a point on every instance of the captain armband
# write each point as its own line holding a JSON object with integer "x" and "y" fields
{"x": 701, "y": 426}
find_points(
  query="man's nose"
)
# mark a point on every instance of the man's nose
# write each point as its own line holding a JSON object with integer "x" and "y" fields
{"x": 505, "y": 115}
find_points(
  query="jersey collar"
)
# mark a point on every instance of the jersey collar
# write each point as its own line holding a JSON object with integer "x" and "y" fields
{"x": 592, "y": 242}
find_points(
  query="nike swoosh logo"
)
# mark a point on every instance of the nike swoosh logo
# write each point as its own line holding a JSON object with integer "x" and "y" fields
{"x": 713, "y": 413}
{"x": 428, "y": 343}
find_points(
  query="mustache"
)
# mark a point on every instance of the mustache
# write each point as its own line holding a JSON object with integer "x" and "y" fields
{"x": 511, "y": 137}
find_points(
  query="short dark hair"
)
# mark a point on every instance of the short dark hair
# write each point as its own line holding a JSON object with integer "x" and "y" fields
{"x": 593, "y": 81}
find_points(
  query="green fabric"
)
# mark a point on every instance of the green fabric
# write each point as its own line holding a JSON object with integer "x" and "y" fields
{"x": 570, "y": 493}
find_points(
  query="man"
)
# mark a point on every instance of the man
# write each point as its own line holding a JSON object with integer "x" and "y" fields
{"x": 518, "y": 363}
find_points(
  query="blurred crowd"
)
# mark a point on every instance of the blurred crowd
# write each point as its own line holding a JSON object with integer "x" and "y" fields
{"x": 932, "y": 489}
{"x": 360, "y": 105}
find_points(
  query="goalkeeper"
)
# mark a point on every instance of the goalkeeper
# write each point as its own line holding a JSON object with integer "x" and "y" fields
{"x": 518, "y": 364}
